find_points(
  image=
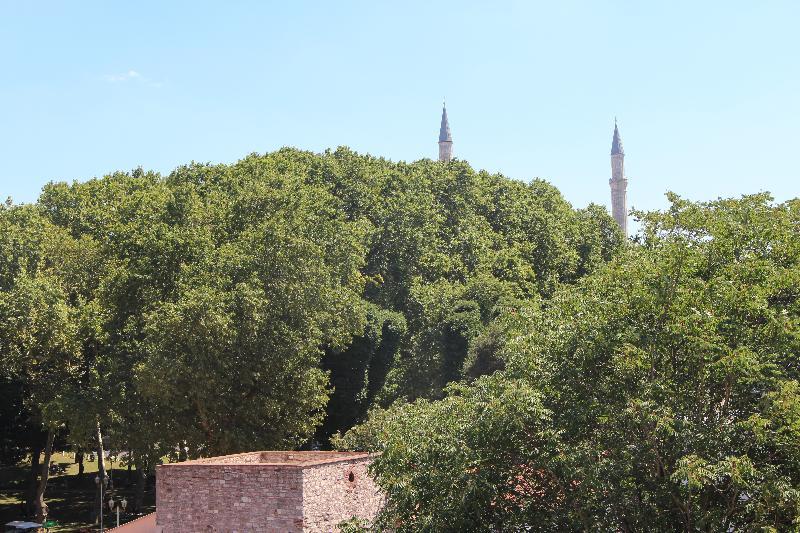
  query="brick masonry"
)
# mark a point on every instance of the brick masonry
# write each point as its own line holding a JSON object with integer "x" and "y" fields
{"x": 265, "y": 492}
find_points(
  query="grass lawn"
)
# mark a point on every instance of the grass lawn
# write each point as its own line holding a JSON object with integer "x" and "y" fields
{"x": 69, "y": 498}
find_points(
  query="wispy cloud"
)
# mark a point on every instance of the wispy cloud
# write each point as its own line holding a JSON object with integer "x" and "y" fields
{"x": 131, "y": 76}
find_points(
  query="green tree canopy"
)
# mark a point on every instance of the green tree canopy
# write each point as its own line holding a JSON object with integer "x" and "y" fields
{"x": 274, "y": 300}
{"x": 669, "y": 377}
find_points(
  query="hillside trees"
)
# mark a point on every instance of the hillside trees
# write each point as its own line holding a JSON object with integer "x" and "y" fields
{"x": 231, "y": 307}
{"x": 519, "y": 363}
{"x": 668, "y": 379}
{"x": 451, "y": 249}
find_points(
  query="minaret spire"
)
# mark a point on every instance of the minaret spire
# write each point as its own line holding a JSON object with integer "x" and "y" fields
{"x": 616, "y": 143}
{"x": 445, "y": 139}
{"x": 618, "y": 182}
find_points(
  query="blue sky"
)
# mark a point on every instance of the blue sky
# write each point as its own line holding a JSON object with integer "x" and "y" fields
{"x": 707, "y": 93}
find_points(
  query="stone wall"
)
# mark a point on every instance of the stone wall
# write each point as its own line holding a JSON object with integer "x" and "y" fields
{"x": 334, "y": 492}
{"x": 200, "y": 498}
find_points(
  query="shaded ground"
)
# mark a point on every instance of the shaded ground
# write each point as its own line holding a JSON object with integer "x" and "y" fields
{"x": 70, "y": 498}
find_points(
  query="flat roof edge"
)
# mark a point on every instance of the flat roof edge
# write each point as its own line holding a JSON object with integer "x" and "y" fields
{"x": 297, "y": 461}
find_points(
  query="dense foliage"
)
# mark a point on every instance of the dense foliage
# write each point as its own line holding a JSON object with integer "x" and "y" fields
{"x": 517, "y": 364}
{"x": 660, "y": 392}
{"x": 272, "y": 302}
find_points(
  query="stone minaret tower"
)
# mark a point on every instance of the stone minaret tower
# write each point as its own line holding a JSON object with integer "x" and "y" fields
{"x": 618, "y": 182}
{"x": 445, "y": 139}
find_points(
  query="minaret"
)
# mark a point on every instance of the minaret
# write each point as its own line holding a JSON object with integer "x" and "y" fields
{"x": 618, "y": 183}
{"x": 445, "y": 139}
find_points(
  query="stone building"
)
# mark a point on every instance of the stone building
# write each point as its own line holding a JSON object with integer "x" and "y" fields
{"x": 265, "y": 492}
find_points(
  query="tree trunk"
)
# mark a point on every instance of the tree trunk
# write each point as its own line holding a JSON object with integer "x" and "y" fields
{"x": 41, "y": 507}
{"x": 101, "y": 474}
{"x": 182, "y": 456}
{"x": 130, "y": 466}
{"x": 141, "y": 479}
{"x": 33, "y": 480}
{"x": 79, "y": 460}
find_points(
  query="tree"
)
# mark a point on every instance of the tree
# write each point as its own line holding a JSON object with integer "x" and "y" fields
{"x": 358, "y": 373}
{"x": 248, "y": 318}
{"x": 39, "y": 344}
{"x": 669, "y": 378}
{"x": 666, "y": 367}
{"x": 462, "y": 463}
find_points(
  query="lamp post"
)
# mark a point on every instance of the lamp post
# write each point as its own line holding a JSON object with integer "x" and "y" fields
{"x": 117, "y": 505}
{"x": 101, "y": 485}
